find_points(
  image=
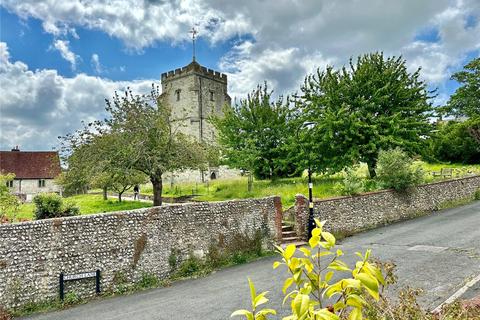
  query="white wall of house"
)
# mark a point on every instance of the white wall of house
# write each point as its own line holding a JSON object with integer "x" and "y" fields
{"x": 31, "y": 187}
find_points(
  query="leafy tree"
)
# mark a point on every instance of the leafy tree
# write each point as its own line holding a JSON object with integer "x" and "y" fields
{"x": 364, "y": 107}
{"x": 466, "y": 99}
{"x": 9, "y": 203}
{"x": 140, "y": 135}
{"x": 455, "y": 141}
{"x": 254, "y": 134}
{"x": 152, "y": 143}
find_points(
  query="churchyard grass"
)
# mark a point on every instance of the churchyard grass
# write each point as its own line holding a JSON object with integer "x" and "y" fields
{"x": 88, "y": 204}
{"x": 220, "y": 190}
{"x": 323, "y": 185}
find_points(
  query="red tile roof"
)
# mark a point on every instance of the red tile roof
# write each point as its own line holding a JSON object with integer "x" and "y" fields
{"x": 30, "y": 164}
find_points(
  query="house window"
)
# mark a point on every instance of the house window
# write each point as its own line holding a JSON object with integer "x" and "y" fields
{"x": 211, "y": 96}
{"x": 10, "y": 184}
{"x": 177, "y": 94}
{"x": 41, "y": 183}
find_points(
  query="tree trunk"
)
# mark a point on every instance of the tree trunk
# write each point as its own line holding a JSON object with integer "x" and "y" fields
{"x": 371, "y": 169}
{"x": 105, "y": 196}
{"x": 157, "y": 190}
{"x": 120, "y": 196}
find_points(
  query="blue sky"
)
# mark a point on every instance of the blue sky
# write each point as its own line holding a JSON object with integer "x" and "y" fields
{"x": 61, "y": 59}
{"x": 28, "y": 42}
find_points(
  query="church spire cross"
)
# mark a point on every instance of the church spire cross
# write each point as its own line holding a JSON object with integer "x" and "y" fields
{"x": 194, "y": 33}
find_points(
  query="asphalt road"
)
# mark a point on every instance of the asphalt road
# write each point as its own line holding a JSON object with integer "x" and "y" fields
{"x": 438, "y": 253}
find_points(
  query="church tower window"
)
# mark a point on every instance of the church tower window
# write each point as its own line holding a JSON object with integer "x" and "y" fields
{"x": 211, "y": 96}
{"x": 177, "y": 94}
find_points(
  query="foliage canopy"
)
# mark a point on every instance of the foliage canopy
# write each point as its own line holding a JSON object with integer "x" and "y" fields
{"x": 360, "y": 109}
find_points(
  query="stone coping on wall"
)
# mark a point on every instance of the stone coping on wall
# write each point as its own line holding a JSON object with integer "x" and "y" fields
{"x": 347, "y": 215}
{"x": 134, "y": 211}
{"x": 370, "y": 193}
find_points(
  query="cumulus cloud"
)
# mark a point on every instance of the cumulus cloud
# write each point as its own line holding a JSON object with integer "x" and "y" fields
{"x": 96, "y": 63}
{"x": 277, "y": 40}
{"x": 37, "y": 106}
{"x": 290, "y": 33}
{"x": 63, "y": 47}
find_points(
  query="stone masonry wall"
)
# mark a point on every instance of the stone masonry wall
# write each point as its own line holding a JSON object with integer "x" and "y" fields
{"x": 347, "y": 215}
{"x": 123, "y": 245}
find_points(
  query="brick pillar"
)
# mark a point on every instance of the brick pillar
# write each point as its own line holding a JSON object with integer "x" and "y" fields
{"x": 277, "y": 202}
{"x": 301, "y": 216}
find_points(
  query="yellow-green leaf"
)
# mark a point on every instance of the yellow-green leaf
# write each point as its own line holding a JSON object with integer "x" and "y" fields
{"x": 329, "y": 276}
{"x": 289, "y": 251}
{"x": 329, "y": 238}
{"x": 260, "y": 299}
{"x": 253, "y": 294}
{"x": 244, "y": 313}
{"x": 370, "y": 283}
{"x": 356, "y": 314}
{"x": 305, "y": 251}
{"x": 276, "y": 264}
{"x": 316, "y": 232}
{"x": 313, "y": 242}
{"x": 288, "y": 282}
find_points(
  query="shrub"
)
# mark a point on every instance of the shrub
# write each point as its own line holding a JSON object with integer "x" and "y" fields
{"x": 193, "y": 266}
{"x": 351, "y": 184}
{"x": 313, "y": 287}
{"x": 9, "y": 203}
{"x": 395, "y": 170}
{"x": 51, "y": 205}
{"x": 477, "y": 195}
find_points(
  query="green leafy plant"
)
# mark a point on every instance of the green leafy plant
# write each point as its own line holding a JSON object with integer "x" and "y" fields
{"x": 312, "y": 280}
{"x": 51, "y": 205}
{"x": 477, "y": 195}
{"x": 9, "y": 203}
{"x": 351, "y": 184}
{"x": 395, "y": 170}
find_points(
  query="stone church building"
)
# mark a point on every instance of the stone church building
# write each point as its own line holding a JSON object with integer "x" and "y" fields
{"x": 195, "y": 93}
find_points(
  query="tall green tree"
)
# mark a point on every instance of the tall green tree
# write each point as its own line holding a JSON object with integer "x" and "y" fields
{"x": 153, "y": 142}
{"x": 254, "y": 134}
{"x": 454, "y": 141}
{"x": 372, "y": 104}
{"x": 466, "y": 99}
{"x": 139, "y": 135}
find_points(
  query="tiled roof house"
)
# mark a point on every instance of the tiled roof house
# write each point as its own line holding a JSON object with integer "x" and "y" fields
{"x": 34, "y": 171}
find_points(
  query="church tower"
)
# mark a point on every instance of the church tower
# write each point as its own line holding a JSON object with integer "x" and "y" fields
{"x": 195, "y": 93}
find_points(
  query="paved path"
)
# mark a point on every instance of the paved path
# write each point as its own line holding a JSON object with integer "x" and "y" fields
{"x": 438, "y": 253}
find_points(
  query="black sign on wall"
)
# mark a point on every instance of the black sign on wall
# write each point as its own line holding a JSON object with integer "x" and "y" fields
{"x": 79, "y": 276}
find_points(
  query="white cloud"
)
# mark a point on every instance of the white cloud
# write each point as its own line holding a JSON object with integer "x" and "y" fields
{"x": 278, "y": 41}
{"x": 37, "y": 106}
{"x": 295, "y": 30}
{"x": 63, "y": 47}
{"x": 96, "y": 63}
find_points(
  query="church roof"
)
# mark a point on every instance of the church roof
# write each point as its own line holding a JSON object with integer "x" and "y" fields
{"x": 30, "y": 164}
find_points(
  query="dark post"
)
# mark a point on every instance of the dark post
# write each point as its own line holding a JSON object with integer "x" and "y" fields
{"x": 97, "y": 282}
{"x": 62, "y": 289}
{"x": 311, "y": 221}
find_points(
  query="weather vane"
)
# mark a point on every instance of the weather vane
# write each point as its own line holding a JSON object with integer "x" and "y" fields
{"x": 194, "y": 33}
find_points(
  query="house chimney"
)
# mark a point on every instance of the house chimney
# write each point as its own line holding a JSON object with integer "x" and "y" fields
{"x": 16, "y": 149}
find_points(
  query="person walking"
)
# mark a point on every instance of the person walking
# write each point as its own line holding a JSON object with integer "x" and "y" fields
{"x": 136, "y": 192}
